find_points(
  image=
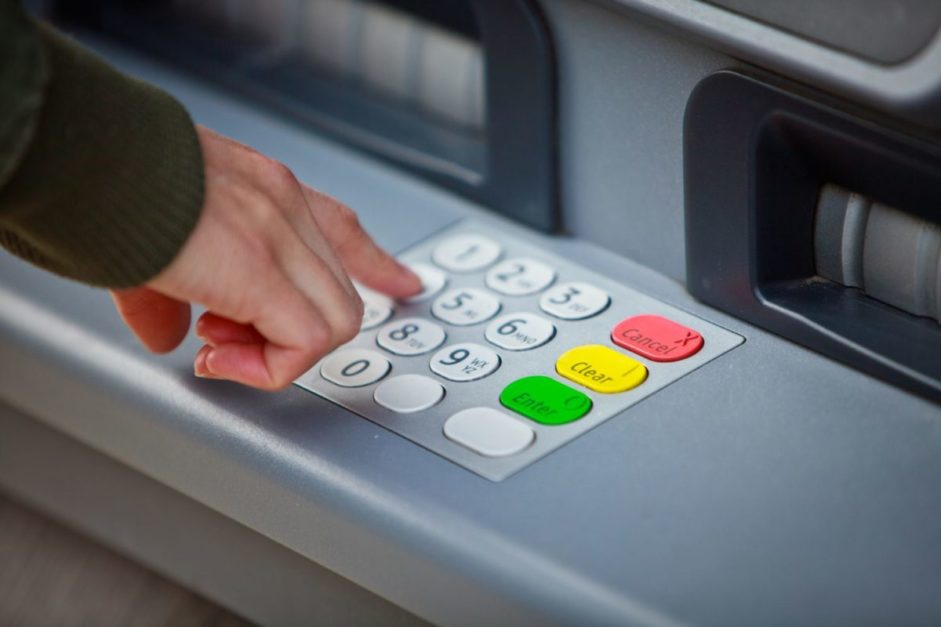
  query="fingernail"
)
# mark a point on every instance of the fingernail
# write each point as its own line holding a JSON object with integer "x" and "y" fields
{"x": 200, "y": 369}
{"x": 198, "y": 330}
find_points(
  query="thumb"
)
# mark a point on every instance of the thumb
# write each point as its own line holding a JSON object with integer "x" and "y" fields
{"x": 158, "y": 321}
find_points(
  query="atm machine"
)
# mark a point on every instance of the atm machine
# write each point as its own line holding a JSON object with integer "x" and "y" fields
{"x": 677, "y": 360}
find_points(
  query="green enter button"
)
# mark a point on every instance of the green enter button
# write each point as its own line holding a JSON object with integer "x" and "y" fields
{"x": 545, "y": 400}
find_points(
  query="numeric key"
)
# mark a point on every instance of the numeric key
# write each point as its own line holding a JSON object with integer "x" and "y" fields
{"x": 520, "y": 276}
{"x": 465, "y": 306}
{"x": 574, "y": 301}
{"x": 354, "y": 367}
{"x": 410, "y": 336}
{"x": 377, "y": 308}
{"x": 432, "y": 281}
{"x": 466, "y": 253}
{"x": 520, "y": 331}
{"x": 465, "y": 362}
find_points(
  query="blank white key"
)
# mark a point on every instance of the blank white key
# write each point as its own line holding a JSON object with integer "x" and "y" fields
{"x": 488, "y": 432}
{"x": 520, "y": 276}
{"x": 466, "y": 253}
{"x": 432, "y": 281}
{"x": 409, "y": 393}
{"x": 354, "y": 367}
{"x": 574, "y": 301}
{"x": 410, "y": 336}
{"x": 377, "y": 308}
{"x": 520, "y": 331}
{"x": 465, "y": 306}
{"x": 464, "y": 362}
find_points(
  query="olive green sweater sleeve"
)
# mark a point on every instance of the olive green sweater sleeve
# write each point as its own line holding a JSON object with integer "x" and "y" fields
{"x": 101, "y": 175}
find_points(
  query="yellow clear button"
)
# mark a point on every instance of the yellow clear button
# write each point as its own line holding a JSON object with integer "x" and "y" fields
{"x": 601, "y": 369}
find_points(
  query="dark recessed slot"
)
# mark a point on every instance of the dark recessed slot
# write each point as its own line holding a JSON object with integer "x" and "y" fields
{"x": 757, "y": 161}
{"x": 888, "y": 254}
{"x": 460, "y": 92}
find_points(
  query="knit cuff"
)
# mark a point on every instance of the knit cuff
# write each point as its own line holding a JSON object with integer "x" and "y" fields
{"x": 112, "y": 183}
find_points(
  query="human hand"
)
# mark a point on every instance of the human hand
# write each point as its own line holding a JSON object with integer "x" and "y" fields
{"x": 269, "y": 259}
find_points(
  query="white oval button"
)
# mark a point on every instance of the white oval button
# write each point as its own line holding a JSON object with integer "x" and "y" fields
{"x": 488, "y": 432}
{"x": 410, "y": 336}
{"x": 520, "y": 276}
{"x": 466, "y": 253}
{"x": 432, "y": 281}
{"x": 464, "y": 362}
{"x": 465, "y": 306}
{"x": 520, "y": 331}
{"x": 354, "y": 367}
{"x": 409, "y": 393}
{"x": 574, "y": 301}
{"x": 377, "y": 308}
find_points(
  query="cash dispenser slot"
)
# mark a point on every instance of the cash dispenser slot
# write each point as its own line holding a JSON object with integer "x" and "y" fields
{"x": 461, "y": 92}
{"x": 816, "y": 223}
{"x": 886, "y": 253}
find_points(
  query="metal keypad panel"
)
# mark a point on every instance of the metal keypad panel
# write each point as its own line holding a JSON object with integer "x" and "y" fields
{"x": 509, "y": 353}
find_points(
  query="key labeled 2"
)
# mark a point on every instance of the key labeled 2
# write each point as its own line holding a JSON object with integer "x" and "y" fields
{"x": 465, "y": 306}
{"x": 410, "y": 336}
{"x": 465, "y": 362}
{"x": 520, "y": 276}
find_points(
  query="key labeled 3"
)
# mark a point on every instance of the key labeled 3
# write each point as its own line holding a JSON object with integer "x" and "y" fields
{"x": 464, "y": 362}
{"x": 465, "y": 306}
{"x": 410, "y": 336}
{"x": 574, "y": 301}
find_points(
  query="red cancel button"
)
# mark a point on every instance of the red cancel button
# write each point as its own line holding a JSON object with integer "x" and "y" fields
{"x": 657, "y": 338}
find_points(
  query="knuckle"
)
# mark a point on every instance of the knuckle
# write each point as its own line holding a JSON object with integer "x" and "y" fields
{"x": 279, "y": 177}
{"x": 349, "y": 327}
{"x": 317, "y": 341}
{"x": 263, "y": 209}
{"x": 348, "y": 218}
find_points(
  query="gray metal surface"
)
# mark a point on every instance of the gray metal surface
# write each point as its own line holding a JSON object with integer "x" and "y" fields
{"x": 623, "y": 87}
{"x": 911, "y": 89}
{"x": 877, "y": 30}
{"x": 425, "y": 428}
{"x": 771, "y": 486}
{"x": 138, "y": 517}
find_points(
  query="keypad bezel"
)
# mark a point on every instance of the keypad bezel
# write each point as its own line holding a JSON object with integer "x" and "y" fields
{"x": 426, "y": 428}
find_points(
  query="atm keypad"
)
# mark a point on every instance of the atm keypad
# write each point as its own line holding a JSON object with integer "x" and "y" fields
{"x": 508, "y": 353}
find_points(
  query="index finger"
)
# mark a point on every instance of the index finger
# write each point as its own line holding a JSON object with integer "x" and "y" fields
{"x": 358, "y": 253}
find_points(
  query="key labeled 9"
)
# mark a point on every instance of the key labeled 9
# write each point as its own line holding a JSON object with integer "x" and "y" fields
{"x": 464, "y": 362}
